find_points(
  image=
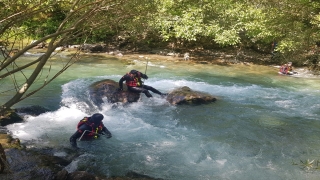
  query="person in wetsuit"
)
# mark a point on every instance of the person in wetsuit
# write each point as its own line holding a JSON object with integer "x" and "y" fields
{"x": 135, "y": 84}
{"x": 92, "y": 127}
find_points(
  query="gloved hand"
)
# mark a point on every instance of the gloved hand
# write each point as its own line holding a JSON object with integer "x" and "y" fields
{"x": 108, "y": 135}
{"x": 144, "y": 76}
{"x": 96, "y": 136}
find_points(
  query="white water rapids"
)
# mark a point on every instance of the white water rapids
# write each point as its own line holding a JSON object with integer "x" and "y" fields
{"x": 261, "y": 125}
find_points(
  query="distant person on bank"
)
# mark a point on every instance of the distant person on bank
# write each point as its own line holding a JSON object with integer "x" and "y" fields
{"x": 135, "y": 84}
{"x": 89, "y": 128}
{"x": 287, "y": 69}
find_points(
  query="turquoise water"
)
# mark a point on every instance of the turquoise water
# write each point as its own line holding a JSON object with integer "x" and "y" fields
{"x": 260, "y": 126}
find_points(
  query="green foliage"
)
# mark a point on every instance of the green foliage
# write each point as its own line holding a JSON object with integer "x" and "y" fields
{"x": 293, "y": 24}
{"x": 55, "y": 23}
{"x": 227, "y": 22}
{"x": 44, "y": 23}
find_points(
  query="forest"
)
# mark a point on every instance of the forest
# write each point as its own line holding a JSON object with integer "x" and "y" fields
{"x": 291, "y": 26}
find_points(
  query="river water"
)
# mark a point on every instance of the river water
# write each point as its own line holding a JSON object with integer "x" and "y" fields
{"x": 261, "y": 127}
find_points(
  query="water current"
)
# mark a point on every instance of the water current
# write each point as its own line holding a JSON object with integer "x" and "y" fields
{"x": 261, "y": 127}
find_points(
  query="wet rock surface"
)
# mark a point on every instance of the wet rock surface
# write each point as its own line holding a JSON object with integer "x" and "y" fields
{"x": 27, "y": 165}
{"x": 184, "y": 95}
{"x": 10, "y": 117}
{"x": 42, "y": 164}
{"x": 108, "y": 89}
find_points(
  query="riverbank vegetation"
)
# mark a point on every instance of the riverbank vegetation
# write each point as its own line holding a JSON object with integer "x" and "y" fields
{"x": 282, "y": 30}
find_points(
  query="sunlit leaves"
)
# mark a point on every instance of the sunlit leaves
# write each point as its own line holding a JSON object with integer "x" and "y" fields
{"x": 225, "y": 22}
{"x": 316, "y": 20}
{"x": 289, "y": 22}
{"x": 227, "y": 37}
{"x": 218, "y": 20}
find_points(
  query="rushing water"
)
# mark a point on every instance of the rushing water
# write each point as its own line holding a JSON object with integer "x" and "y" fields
{"x": 261, "y": 126}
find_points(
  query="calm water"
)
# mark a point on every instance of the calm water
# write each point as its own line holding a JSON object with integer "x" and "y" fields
{"x": 261, "y": 124}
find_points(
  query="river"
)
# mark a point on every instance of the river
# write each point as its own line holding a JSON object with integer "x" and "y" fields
{"x": 261, "y": 127}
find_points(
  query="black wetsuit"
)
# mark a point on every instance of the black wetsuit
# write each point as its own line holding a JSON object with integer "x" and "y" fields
{"x": 88, "y": 127}
{"x": 135, "y": 84}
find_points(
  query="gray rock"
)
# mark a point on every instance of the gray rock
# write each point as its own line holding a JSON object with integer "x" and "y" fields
{"x": 23, "y": 165}
{"x": 184, "y": 95}
{"x": 108, "y": 88}
{"x": 10, "y": 118}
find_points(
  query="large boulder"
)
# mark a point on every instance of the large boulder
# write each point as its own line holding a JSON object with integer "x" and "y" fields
{"x": 184, "y": 95}
{"x": 108, "y": 88}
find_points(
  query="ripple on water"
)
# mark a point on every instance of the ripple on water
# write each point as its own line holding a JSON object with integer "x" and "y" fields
{"x": 270, "y": 121}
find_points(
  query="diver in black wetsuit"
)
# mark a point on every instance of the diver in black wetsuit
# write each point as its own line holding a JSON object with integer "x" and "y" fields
{"x": 92, "y": 127}
{"x": 135, "y": 84}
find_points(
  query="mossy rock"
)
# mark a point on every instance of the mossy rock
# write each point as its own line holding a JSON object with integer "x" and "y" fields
{"x": 8, "y": 142}
{"x": 185, "y": 95}
{"x": 108, "y": 88}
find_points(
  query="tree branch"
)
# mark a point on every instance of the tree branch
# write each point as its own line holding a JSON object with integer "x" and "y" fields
{"x": 19, "y": 69}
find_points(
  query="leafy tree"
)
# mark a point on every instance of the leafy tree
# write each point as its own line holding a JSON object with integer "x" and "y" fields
{"x": 72, "y": 20}
{"x": 293, "y": 23}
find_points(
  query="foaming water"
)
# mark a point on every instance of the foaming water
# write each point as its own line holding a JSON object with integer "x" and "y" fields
{"x": 261, "y": 123}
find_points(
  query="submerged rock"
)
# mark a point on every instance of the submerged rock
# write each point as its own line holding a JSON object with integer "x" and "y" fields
{"x": 32, "y": 110}
{"x": 184, "y": 95}
{"x": 12, "y": 116}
